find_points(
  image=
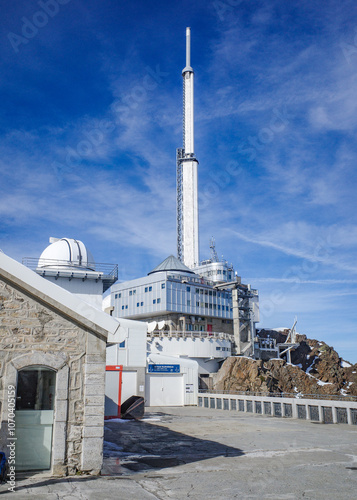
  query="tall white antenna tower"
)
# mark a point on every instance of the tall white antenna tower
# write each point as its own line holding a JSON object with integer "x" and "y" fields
{"x": 187, "y": 193}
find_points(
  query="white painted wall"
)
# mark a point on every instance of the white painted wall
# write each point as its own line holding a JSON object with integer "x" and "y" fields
{"x": 87, "y": 290}
{"x": 190, "y": 347}
{"x": 133, "y": 333}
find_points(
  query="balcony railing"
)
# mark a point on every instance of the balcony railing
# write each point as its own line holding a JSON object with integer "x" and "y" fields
{"x": 107, "y": 273}
{"x": 191, "y": 335}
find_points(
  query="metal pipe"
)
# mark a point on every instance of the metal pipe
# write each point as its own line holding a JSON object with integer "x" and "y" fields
{"x": 188, "y": 47}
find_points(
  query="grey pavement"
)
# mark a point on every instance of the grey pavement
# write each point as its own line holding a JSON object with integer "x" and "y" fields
{"x": 198, "y": 453}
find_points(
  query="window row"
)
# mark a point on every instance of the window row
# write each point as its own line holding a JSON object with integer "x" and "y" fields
{"x": 133, "y": 292}
{"x": 202, "y": 291}
{"x": 140, "y": 304}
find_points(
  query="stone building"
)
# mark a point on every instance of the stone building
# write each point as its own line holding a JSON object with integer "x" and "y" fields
{"x": 52, "y": 358}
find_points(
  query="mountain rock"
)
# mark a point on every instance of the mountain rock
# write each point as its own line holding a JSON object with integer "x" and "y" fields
{"x": 316, "y": 368}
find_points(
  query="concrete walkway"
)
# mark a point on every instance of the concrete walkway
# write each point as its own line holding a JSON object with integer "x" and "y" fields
{"x": 197, "y": 453}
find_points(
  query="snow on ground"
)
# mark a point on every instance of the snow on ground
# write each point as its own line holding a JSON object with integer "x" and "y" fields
{"x": 118, "y": 420}
{"x": 345, "y": 364}
{"x": 113, "y": 450}
{"x": 319, "y": 382}
{"x": 308, "y": 370}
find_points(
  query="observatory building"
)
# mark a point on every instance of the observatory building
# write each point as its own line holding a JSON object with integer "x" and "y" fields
{"x": 69, "y": 264}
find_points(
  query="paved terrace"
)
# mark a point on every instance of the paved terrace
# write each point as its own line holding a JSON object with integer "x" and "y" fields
{"x": 199, "y": 453}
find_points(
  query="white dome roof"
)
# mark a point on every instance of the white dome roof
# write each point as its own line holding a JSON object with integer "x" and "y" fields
{"x": 66, "y": 252}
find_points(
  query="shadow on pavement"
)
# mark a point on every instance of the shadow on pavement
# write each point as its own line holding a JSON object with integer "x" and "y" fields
{"x": 139, "y": 446}
{"x": 41, "y": 482}
{"x": 131, "y": 447}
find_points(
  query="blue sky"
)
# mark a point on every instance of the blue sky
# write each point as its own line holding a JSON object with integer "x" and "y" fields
{"x": 91, "y": 95}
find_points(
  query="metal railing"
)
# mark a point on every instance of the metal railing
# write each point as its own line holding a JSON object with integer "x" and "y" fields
{"x": 327, "y": 397}
{"x": 191, "y": 334}
{"x": 41, "y": 265}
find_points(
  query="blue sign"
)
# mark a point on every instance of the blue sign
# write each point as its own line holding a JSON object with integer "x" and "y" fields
{"x": 164, "y": 368}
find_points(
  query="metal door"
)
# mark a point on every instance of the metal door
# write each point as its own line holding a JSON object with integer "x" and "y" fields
{"x": 164, "y": 390}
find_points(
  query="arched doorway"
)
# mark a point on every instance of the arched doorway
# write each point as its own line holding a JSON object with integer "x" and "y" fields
{"x": 34, "y": 417}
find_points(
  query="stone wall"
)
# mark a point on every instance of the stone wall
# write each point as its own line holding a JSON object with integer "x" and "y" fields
{"x": 31, "y": 332}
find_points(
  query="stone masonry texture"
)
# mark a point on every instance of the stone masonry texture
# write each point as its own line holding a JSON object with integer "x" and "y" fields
{"x": 29, "y": 326}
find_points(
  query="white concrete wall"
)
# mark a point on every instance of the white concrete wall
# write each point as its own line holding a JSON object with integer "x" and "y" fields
{"x": 88, "y": 290}
{"x": 134, "y": 335}
{"x": 190, "y": 347}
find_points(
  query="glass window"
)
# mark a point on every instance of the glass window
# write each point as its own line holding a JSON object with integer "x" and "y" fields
{"x": 137, "y": 304}
{"x": 206, "y": 304}
{"x": 188, "y": 302}
{"x": 197, "y": 304}
{"x": 154, "y": 301}
{"x": 131, "y": 292}
{"x": 214, "y": 294}
{"x": 219, "y": 307}
{"x": 122, "y": 307}
{"x": 188, "y": 288}
{"x": 210, "y": 293}
{"x": 122, "y": 345}
{"x": 158, "y": 301}
{"x": 141, "y": 303}
{"x": 162, "y": 285}
{"x": 197, "y": 290}
{"x": 146, "y": 289}
{"x": 36, "y": 389}
{"x": 150, "y": 288}
{"x": 134, "y": 292}
{"x": 126, "y": 307}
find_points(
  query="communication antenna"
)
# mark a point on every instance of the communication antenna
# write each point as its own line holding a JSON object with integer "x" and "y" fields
{"x": 214, "y": 256}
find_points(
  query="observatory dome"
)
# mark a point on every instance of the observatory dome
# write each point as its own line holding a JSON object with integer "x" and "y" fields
{"x": 66, "y": 253}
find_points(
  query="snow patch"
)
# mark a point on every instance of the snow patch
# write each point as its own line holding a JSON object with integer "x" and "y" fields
{"x": 319, "y": 382}
{"x": 345, "y": 364}
{"x": 309, "y": 368}
{"x": 117, "y": 420}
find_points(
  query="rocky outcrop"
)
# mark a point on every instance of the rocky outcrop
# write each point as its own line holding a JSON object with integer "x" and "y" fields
{"x": 316, "y": 368}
